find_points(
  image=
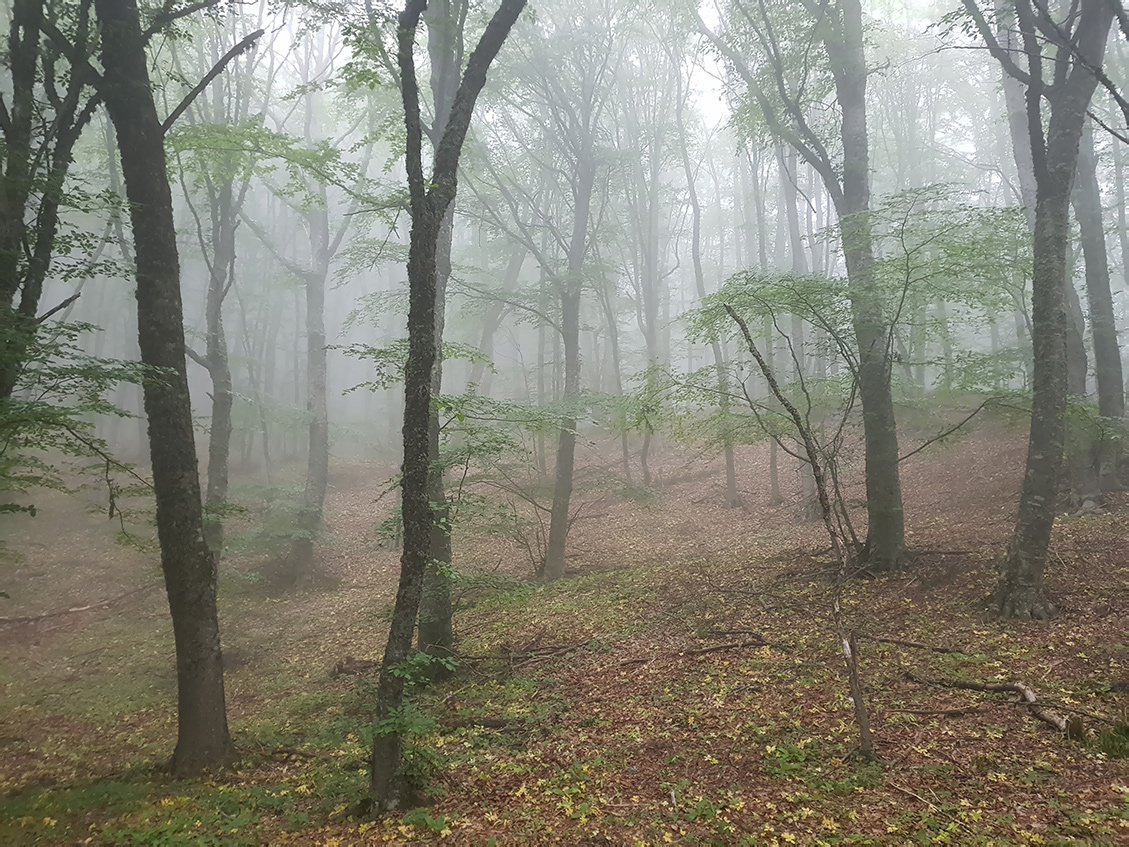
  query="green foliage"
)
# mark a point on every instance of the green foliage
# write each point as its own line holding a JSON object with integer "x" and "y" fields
{"x": 418, "y": 668}
{"x": 1087, "y": 430}
{"x": 46, "y": 426}
{"x": 224, "y": 151}
{"x": 1114, "y": 741}
{"x": 271, "y": 518}
{"x": 388, "y": 361}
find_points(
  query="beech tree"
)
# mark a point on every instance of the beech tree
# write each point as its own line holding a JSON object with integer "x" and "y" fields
{"x": 1062, "y": 54}
{"x": 189, "y": 566}
{"x": 780, "y": 79}
{"x": 429, "y": 201}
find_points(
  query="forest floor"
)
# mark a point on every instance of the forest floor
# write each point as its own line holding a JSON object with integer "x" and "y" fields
{"x": 682, "y": 686}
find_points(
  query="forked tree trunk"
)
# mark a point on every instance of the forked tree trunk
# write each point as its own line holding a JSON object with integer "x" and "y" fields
{"x": 1019, "y": 592}
{"x": 189, "y": 567}
{"x": 387, "y": 786}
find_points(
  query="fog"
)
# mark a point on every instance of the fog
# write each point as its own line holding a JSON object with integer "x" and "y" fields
{"x": 769, "y": 302}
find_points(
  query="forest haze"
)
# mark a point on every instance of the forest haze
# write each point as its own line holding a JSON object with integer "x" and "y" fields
{"x": 575, "y": 422}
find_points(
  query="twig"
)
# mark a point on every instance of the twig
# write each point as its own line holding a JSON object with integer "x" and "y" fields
{"x": 901, "y": 642}
{"x": 909, "y": 793}
{"x": 74, "y": 609}
{"x": 946, "y": 433}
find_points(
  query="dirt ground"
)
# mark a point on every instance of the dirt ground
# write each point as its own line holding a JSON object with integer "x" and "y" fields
{"x": 682, "y": 685}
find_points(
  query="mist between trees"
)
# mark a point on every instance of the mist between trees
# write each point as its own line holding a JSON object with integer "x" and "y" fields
{"x": 524, "y": 262}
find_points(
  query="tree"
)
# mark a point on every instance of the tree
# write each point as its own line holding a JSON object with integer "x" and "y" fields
{"x": 429, "y": 202}
{"x": 223, "y": 177}
{"x": 1077, "y": 48}
{"x": 555, "y": 116}
{"x": 47, "y": 52}
{"x": 780, "y": 89}
{"x": 732, "y": 496}
{"x": 189, "y": 567}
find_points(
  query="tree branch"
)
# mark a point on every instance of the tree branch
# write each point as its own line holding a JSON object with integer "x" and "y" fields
{"x": 208, "y": 77}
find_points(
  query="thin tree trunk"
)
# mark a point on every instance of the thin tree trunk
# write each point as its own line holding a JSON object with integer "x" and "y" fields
{"x": 732, "y": 496}
{"x": 570, "y": 291}
{"x": 216, "y": 358}
{"x": 387, "y": 786}
{"x": 1103, "y": 327}
{"x": 300, "y": 564}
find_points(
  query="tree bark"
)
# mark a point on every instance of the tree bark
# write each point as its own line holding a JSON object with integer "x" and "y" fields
{"x": 189, "y": 567}
{"x": 436, "y": 629}
{"x": 1103, "y": 327}
{"x": 1019, "y": 591}
{"x": 387, "y": 787}
{"x": 219, "y": 368}
{"x": 570, "y": 290}
{"x": 886, "y": 530}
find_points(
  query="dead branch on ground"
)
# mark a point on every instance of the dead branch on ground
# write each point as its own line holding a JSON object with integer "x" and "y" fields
{"x": 1027, "y": 698}
{"x": 28, "y": 619}
{"x": 901, "y": 642}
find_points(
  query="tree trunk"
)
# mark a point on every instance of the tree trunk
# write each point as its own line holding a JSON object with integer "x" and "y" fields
{"x": 387, "y": 787}
{"x": 1103, "y": 326}
{"x": 189, "y": 567}
{"x": 1019, "y": 592}
{"x": 570, "y": 291}
{"x": 732, "y": 496}
{"x": 886, "y": 531}
{"x": 219, "y": 368}
{"x": 300, "y": 564}
{"x": 436, "y": 629}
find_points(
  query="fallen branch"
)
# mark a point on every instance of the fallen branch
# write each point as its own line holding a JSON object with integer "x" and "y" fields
{"x": 354, "y": 666}
{"x": 901, "y": 642}
{"x": 1027, "y": 698}
{"x": 940, "y": 713}
{"x": 74, "y": 609}
{"x": 701, "y": 651}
